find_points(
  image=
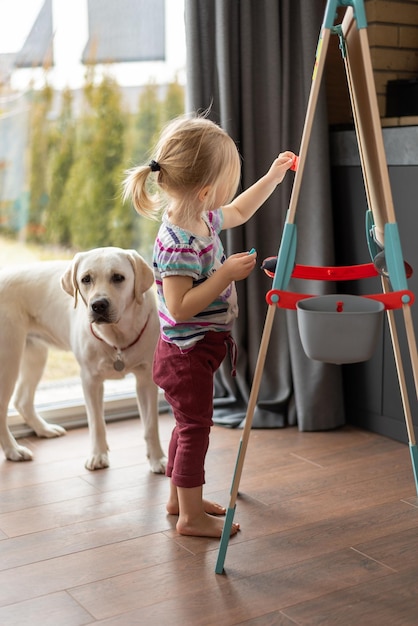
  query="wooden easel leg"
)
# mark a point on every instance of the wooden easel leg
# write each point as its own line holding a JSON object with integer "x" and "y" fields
{"x": 404, "y": 396}
{"x": 261, "y": 359}
{"x": 362, "y": 91}
{"x": 414, "y": 362}
{"x": 411, "y": 343}
{"x": 282, "y": 275}
{"x": 401, "y": 378}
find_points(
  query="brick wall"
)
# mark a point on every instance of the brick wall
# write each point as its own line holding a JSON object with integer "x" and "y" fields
{"x": 392, "y": 28}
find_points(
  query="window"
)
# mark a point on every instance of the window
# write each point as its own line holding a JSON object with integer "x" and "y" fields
{"x": 60, "y": 63}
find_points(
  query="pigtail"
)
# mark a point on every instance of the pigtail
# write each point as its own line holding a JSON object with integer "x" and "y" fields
{"x": 136, "y": 187}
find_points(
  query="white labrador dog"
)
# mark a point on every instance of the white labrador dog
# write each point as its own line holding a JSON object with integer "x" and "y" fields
{"x": 101, "y": 306}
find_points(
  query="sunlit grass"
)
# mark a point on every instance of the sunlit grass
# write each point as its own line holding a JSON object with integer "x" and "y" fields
{"x": 60, "y": 365}
{"x": 14, "y": 252}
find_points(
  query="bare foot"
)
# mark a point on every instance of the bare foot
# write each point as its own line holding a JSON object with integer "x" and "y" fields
{"x": 212, "y": 508}
{"x": 203, "y": 526}
{"x": 196, "y": 515}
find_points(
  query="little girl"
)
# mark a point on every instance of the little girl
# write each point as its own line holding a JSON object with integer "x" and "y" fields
{"x": 198, "y": 169}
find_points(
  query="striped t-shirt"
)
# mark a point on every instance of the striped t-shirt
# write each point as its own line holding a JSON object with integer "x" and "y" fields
{"x": 178, "y": 252}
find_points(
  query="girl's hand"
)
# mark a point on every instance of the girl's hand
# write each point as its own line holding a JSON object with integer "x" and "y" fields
{"x": 280, "y": 166}
{"x": 239, "y": 266}
{"x": 185, "y": 301}
{"x": 248, "y": 202}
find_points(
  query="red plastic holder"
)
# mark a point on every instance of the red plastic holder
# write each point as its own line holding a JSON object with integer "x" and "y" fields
{"x": 342, "y": 272}
{"x": 289, "y": 299}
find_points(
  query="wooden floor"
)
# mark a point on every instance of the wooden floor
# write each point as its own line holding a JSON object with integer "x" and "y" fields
{"x": 329, "y": 534}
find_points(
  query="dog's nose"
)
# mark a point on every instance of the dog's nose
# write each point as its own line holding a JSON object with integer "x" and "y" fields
{"x": 100, "y": 306}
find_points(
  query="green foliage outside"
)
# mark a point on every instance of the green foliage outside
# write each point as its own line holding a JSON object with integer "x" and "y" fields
{"x": 61, "y": 160}
{"x": 78, "y": 163}
{"x": 40, "y": 147}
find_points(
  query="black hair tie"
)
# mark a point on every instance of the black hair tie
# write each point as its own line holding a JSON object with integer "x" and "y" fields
{"x": 155, "y": 167}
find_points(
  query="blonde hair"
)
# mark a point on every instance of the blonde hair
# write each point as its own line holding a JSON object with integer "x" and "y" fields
{"x": 192, "y": 153}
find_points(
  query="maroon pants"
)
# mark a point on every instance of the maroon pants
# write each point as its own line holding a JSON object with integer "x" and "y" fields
{"x": 187, "y": 381}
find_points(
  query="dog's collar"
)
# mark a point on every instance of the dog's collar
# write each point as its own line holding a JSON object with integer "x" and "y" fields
{"x": 119, "y": 364}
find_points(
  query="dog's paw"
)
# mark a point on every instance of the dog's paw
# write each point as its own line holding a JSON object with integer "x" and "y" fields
{"x": 18, "y": 453}
{"x": 50, "y": 430}
{"x": 97, "y": 461}
{"x": 158, "y": 465}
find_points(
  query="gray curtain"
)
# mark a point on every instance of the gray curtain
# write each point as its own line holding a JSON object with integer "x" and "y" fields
{"x": 251, "y": 62}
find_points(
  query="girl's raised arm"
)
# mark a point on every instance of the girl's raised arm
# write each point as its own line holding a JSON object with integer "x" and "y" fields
{"x": 247, "y": 203}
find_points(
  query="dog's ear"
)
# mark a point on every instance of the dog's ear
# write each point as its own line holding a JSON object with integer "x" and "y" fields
{"x": 69, "y": 278}
{"x": 144, "y": 276}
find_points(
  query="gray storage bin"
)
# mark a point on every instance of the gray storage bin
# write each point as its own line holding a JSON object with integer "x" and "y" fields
{"x": 348, "y": 335}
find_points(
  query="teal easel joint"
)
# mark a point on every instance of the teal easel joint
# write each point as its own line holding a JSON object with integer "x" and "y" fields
{"x": 223, "y": 546}
{"x": 275, "y": 298}
{"x": 358, "y": 9}
{"x": 394, "y": 258}
{"x": 286, "y": 257}
{"x": 406, "y": 299}
{"x": 374, "y": 248}
{"x": 337, "y": 30}
{"x": 414, "y": 457}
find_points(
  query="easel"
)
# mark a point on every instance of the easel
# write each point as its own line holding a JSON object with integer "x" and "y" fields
{"x": 381, "y": 228}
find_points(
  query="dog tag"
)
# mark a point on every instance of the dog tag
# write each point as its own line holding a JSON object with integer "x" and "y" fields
{"x": 119, "y": 365}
